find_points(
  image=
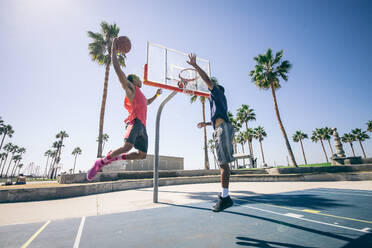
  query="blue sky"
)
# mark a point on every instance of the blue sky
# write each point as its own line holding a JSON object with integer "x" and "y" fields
{"x": 49, "y": 83}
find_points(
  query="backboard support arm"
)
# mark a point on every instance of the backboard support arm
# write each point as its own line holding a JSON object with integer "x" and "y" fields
{"x": 157, "y": 137}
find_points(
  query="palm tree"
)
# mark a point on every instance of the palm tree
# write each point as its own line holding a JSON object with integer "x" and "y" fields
{"x": 237, "y": 125}
{"x": 349, "y": 138}
{"x": 369, "y": 126}
{"x": 242, "y": 139}
{"x": 47, "y": 154}
{"x": 56, "y": 145}
{"x": 318, "y": 135}
{"x": 75, "y": 152}
{"x": 245, "y": 114}
{"x": 7, "y": 148}
{"x": 212, "y": 146}
{"x": 327, "y": 136}
{"x": 360, "y": 136}
{"x": 266, "y": 75}
{"x": 53, "y": 156}
{"x": 259, "y": 133}
{"x": 202, "y": 100}
{"x": 100, "y": 52}
{"x": 12, "y": 150}
{"x": 105, "y": 138}
{"x": 6, "y": 130}
{"x": 298, "y": 137}
{"x": 17, "y": 158}
{"x": 250, "y": 136}
{"x": 61, "y": 135}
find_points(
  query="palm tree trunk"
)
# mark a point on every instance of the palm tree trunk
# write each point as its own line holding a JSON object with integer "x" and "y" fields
{"x": 9, "y": 166}
{"x": 303, "y": 152}
{"x": 235, "y": 151}
{"x": 206, "y": 160}
{"x": 14, "y": 168}
{"x": 242, "y": 144}
{"x": 282, "y": 129}
{"x": 1, "y": 164}
{"x": 361, "y": 146}
{"x": 60, "y": 150}
{"x": 2, "y": 141}
{"x": 263, "y": 157}
{"x": 352, "y": 148}
{"x": 252, "y": 157}
{"x": 73, "y": 172}
{"x": 325, "y": 154}
{"x": 103, "y": 107}
{"x": 329, "y": 143}
{"x": 249, "y": 144}
{"x": 2, "y": 170}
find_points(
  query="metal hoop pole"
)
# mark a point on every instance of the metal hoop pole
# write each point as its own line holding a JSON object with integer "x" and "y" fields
{"x": 157, "y": 136}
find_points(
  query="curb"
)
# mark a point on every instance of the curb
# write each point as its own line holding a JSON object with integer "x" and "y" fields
{"x": 50, "y": 193}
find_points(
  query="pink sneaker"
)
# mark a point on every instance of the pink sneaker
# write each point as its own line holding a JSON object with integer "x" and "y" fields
{"x": 95, "y": 169}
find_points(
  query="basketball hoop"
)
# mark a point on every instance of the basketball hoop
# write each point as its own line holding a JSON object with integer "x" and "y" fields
{"x": 187, "y": 76}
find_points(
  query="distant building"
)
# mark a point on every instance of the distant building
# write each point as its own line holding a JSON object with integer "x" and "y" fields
{"x": 165, "y": 163}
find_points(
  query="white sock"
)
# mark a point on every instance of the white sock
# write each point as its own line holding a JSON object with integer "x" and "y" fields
{"x": 225, "y": 192}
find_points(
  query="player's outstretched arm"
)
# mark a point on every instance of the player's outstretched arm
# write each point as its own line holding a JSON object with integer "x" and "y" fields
{"x": 158, "y": 93}
{"x": 127, "y": 86}
{"x": 204, "y": 124}
{"x": 203, "y": 75}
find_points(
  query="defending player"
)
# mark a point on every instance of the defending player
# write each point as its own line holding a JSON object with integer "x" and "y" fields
{"x": 223, "y": 133}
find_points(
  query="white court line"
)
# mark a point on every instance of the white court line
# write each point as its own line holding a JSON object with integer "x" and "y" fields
{"x": 78, "y": 235}
{"x": 294, "y": 215}
{"x": 339, "y": 193}
{"x": 309, "y": 220}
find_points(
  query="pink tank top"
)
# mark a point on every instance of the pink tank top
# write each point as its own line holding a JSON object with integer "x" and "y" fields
{"x": 137, "y": 108}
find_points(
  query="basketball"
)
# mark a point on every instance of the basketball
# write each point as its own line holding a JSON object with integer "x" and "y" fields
{"x": 123, "y": 44}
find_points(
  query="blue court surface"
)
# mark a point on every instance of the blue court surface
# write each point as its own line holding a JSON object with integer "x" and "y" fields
{"x": 318, "y": 217}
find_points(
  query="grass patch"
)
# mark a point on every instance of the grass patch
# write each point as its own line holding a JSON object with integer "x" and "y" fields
{"x": 307, "y": 165}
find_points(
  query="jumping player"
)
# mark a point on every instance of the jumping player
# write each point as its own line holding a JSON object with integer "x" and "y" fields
{"x": 223, "y": 133}
{"x": 135, "y": 135}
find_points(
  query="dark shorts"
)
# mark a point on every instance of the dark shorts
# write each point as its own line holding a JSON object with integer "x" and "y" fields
{"x": 223, "y": 136}
{"x": 136, "y": 134}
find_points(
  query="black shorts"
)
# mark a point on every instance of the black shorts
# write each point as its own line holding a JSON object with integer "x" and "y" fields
{"x": 136, "y": 134}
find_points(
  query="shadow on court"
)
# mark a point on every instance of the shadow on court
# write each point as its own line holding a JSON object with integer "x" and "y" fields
{"x": 302, "y": 200}
{"x": 292, "y": 199}
{"x": 244, "y": 241}
{"x": 353, "y": 242}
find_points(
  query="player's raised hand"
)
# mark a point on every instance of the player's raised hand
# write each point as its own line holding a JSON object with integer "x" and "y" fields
{"x": 192, "y": 59}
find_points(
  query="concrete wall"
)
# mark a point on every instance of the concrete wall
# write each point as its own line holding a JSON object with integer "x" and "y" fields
{"x": 165, "y": 163}
{"x": 120, "y": 175}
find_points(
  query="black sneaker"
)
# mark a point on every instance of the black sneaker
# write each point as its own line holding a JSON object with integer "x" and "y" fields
{"x": 222, "y": 203}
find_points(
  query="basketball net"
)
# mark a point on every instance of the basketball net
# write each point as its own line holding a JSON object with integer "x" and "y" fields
{"x": 188, "y": 78}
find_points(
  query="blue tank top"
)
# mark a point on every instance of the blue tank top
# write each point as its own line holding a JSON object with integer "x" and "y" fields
{"x": 218, "y": 105}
